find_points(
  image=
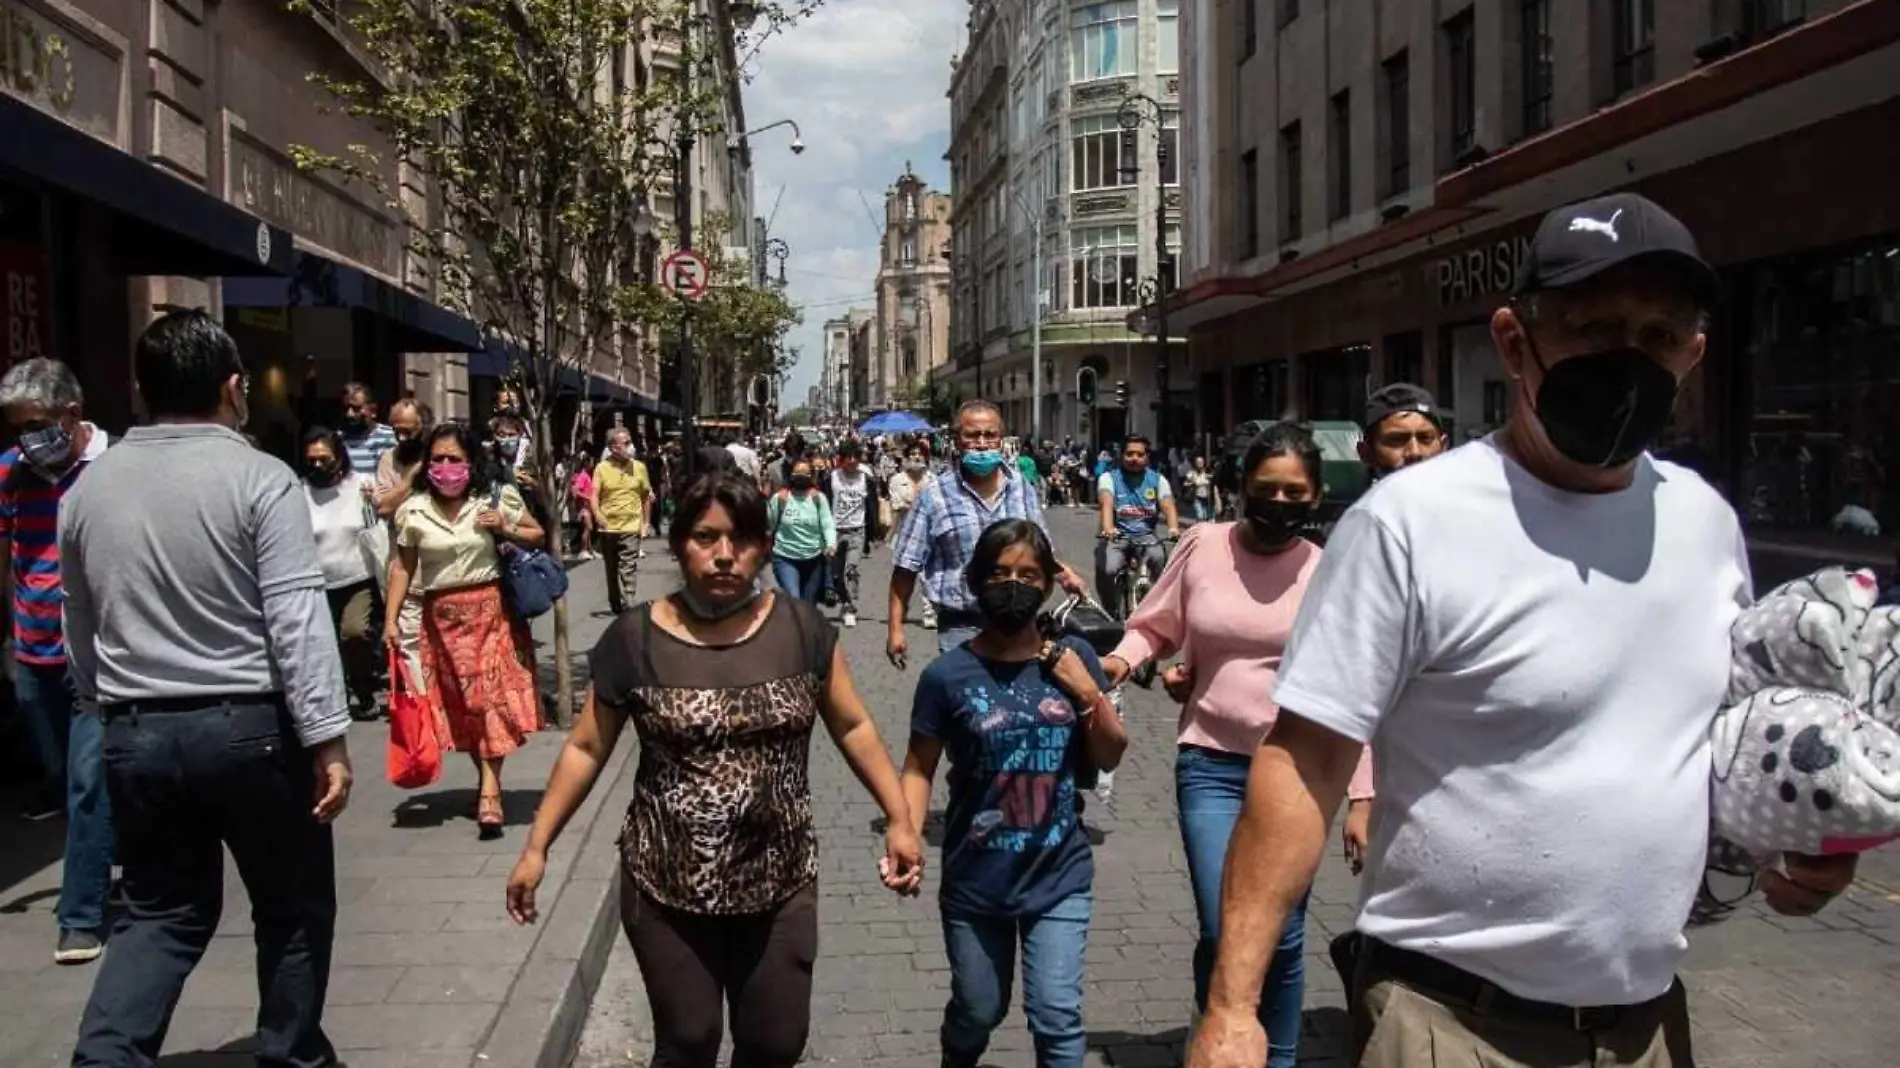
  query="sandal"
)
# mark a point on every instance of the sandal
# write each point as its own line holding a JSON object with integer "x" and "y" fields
{"x": 488, "y": 815}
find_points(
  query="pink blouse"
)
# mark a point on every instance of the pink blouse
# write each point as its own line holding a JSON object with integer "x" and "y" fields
{"x": 1229, "y": 613}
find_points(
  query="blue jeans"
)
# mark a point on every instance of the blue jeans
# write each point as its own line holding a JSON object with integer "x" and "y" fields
{"x": 803, "y": 579}
{"x": 982, "y": 952}
{"x": 44, "y": 693}
{"x": 1209, "y": 787}
{"x": 1203, "y": 509}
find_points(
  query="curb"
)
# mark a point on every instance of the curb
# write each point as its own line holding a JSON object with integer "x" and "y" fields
{"x": 539, "y": 1022}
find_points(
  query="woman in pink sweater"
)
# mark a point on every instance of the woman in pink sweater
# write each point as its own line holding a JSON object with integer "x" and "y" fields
{"x": 1226, "y": 603}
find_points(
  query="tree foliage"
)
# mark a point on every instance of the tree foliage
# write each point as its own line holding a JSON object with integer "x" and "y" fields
{"x": 524, "y": 140}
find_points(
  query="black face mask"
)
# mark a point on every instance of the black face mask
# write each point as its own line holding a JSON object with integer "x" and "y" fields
{"x": 323, "y": 474}
{"x": 1276, "y": 522}
{"x": 799, "y": 483}
{"x": 1604, "y": 408}
{"x": 409, "y": 450}
{"x": 356, "y": 424}
{"x": 1009, "y": 606}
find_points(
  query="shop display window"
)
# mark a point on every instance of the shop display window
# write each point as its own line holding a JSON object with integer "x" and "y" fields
{"x": 1821, "y": 445}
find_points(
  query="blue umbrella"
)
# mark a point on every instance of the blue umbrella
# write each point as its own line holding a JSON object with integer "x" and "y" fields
{"x": 894, "y": 423}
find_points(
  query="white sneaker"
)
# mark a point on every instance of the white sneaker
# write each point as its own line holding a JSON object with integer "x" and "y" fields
{"x": 929, "y": 622}
{"x": 850, "y": 618}
{"x": 1104, "y": 786}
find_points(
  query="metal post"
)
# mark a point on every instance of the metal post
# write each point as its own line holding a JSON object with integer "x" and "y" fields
{"x": 683, "y": 219}
{"x": 1162, "y": 285}
{"x": 1035, "y": 328}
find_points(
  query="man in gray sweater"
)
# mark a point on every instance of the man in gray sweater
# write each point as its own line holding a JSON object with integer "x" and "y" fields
{"x": 196, "y": 619}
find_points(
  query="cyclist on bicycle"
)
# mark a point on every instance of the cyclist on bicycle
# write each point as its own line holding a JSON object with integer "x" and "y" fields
{"x": 1133, "y": 497}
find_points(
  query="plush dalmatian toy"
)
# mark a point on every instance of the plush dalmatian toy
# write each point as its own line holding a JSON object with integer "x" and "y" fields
{"x": 1807, "y": 747}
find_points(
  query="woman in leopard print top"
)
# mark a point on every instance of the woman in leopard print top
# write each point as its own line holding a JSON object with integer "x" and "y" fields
{"x": 723, "y": 684}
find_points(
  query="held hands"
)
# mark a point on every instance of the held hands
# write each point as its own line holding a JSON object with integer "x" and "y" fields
{"x": 902, "y": 866}
{"x": 1228, "y": 1038}
{"x": 1353, "y": 835}
{"x": 523, "y": 881}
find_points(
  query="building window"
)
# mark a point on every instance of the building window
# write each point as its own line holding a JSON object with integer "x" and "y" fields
{"x": 1290, "y": 169}
{"x": 1106, "y": 264}
{"x": 1248, "y": 205}
{"x": 1761, "y": 17}
{"x": 1535, "y": 69}
{"x": 1397, "y": 72}
{"x": 1633, "y": 44}
{"x": 1339, "y": 156}
{"x": 907, "y": 255}
{"x": 1405, "y": 358}
{"x": 1249, "y": 28}
{"x": 1169, "y": 148}
{"x": 1103, "y": 41}
{"x": 1285, "y": 11}
{"x": 1096, "y": 153}
{"x": 1167, "y": 36}
{"x": 1461, "y": 71}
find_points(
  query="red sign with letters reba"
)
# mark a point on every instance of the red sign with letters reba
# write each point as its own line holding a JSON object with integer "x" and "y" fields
{"x": 26, "y": 303}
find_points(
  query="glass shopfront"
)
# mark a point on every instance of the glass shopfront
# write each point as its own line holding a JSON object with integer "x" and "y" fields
{"x": 1818, "y": 446}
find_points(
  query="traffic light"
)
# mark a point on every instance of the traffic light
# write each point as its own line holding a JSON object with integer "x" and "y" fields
{"x": 1085, "y": 387}
{"x": 1121, "y": 394}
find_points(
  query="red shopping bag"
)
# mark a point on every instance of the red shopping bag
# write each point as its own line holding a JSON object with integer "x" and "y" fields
{"x": 415, "y": 754}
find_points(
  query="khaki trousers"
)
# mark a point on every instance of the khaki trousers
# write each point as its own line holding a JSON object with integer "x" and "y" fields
{"x": 1398, "y": 1026}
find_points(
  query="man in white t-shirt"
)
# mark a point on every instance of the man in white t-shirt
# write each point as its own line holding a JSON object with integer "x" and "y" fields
{"x": 744, "y": 456}
{"x": 1533, "y": 634}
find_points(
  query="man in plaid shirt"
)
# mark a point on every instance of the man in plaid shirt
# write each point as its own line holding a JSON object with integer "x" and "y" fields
{"x": 951, "y": 512}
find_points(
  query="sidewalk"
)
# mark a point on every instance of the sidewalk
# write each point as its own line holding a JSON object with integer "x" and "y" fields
{"x": 429, "y": 972}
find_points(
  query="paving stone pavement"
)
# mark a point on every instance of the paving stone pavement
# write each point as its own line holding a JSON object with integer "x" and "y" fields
{"x": 425, "y": 957}
{"x": 1767, "y": 991}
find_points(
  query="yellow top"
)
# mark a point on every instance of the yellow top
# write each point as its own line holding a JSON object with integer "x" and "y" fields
{"x": 622, "y": 488}
{"x": 453, "y": 553}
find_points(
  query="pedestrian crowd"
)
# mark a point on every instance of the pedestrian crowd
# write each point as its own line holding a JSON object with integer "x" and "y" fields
{"x": 1503, "y": 661}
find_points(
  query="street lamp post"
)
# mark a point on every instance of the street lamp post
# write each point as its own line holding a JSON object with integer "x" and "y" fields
{"x": 1135, "y": 110}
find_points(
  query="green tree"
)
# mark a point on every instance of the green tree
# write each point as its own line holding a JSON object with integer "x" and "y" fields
{"x": 525, "y": 144}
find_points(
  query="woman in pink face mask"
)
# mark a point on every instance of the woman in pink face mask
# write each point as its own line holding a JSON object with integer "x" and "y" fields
{"x": 477, "y": 658}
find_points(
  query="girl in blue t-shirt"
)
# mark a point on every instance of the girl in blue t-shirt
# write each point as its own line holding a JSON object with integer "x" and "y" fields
{"x": 1016, "y": 715}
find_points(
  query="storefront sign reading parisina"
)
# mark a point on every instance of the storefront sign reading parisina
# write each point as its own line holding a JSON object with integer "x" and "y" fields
{"x": 36, "y": 61}
{"x": 1481, "y": 271}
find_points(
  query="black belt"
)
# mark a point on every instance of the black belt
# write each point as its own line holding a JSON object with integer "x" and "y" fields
{"x": 153, "y": 706}
{"x": 1484, "y": 997}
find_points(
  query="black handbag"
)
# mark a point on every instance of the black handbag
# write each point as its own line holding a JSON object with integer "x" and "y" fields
{"x": 1081, "y": 617}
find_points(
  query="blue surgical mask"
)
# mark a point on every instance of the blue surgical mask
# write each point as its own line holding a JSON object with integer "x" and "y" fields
{"x": 981, "y": 463}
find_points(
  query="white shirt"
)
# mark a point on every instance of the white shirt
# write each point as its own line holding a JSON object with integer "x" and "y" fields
{"x": 337, "y": 515}
{"x": 746, "y": 459}
{"x": 848, "y": 493}
{"x": 1537, "y": 672}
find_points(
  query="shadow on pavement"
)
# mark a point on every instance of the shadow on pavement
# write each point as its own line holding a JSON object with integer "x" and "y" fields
{"x": 441, "y": 806}
{"x": 235, "y": 1054}
{"x": 26, "y": 848}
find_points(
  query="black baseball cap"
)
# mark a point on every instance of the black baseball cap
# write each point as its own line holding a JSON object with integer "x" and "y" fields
{"x": 1585, "y": 239}
{"x": 1401, "y": 397}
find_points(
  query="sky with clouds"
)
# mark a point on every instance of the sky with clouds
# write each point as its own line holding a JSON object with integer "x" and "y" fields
{"x": 865, "y": 81}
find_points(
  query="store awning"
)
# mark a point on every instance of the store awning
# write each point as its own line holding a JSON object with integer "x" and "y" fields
{"x": 498, "y": 358}
{"x": 166, "y": 225}
{"x": 317, "y": 282}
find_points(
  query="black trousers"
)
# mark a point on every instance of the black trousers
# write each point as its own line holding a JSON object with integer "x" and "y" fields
{"x": 757, "y": 966}
{"x": 186, "y": 783}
